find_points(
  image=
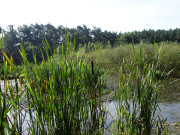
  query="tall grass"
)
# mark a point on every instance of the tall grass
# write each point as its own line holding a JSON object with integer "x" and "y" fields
{"x": 62, "y": 95}
{"x": 137, "y": 97}
{"x": 112, "y": 58}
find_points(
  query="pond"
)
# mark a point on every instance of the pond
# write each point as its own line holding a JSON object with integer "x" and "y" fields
{"x": 169, "y": 102}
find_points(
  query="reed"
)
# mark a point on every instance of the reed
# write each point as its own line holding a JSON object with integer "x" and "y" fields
{"x": 61, "y": 95}
{"x": 111, "y": 58}
{"x": 137, "y": 96}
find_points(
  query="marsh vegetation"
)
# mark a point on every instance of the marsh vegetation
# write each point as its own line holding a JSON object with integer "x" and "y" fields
{"x": 63, "y": 93}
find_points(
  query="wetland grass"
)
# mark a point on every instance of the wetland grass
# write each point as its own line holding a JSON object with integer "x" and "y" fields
{"x": 137, "y": 97}
{"x": 62, "y": 96}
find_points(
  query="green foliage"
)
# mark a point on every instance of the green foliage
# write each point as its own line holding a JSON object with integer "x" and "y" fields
{"x": 128, "y": 38}
{"x": 138, "y": 88}
{"x": 1, "y": 41}
{"x": 111, "y": 58}
{"x": 61, "y": 93}
{"x": 29, "y": 49}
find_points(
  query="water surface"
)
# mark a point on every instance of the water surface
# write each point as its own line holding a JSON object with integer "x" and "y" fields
{"x": 169, "y": 102}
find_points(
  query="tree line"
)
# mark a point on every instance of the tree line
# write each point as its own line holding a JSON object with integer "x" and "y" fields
{"x": 32, "y": 37}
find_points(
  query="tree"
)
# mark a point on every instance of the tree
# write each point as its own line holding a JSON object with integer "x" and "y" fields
{"x": 37, "y": 34}
{"x": 177, "y": 31}
{"x": 25, "y": 33}
{"x": 128, "y": 38}
{"x": 11, "y": 37}
{"x": 10, "y": 43}
{"x": 51, "y": 35}
{"x": 96, "y": 34}
{"x": 60, "y": 34}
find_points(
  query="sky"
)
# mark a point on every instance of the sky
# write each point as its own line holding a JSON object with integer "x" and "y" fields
{"x": 111, "y": 15}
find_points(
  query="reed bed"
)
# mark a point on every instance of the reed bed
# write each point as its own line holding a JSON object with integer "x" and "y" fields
{"x": 111, "y": 58}
{"x": 137, "y": 97}
{"x": 62, "y": 96}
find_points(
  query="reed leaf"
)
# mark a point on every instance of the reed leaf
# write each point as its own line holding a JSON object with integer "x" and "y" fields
{"x": 1, "y": 39}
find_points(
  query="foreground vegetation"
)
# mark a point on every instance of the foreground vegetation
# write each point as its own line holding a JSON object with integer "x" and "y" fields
{"x": 63, "y": 94}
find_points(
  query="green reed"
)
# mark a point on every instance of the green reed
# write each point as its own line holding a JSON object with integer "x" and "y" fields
{"x": 137, "y": 96}
{"x": 10, "y": 104}
{"x": 61, "y": 95}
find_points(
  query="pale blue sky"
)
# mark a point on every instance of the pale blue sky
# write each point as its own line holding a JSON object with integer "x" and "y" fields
{"x": 112, "y": 15}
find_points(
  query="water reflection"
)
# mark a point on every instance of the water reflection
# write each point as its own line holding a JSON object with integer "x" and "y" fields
{"x": 171, "y": 92}
{"x": 169, "y": 98}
